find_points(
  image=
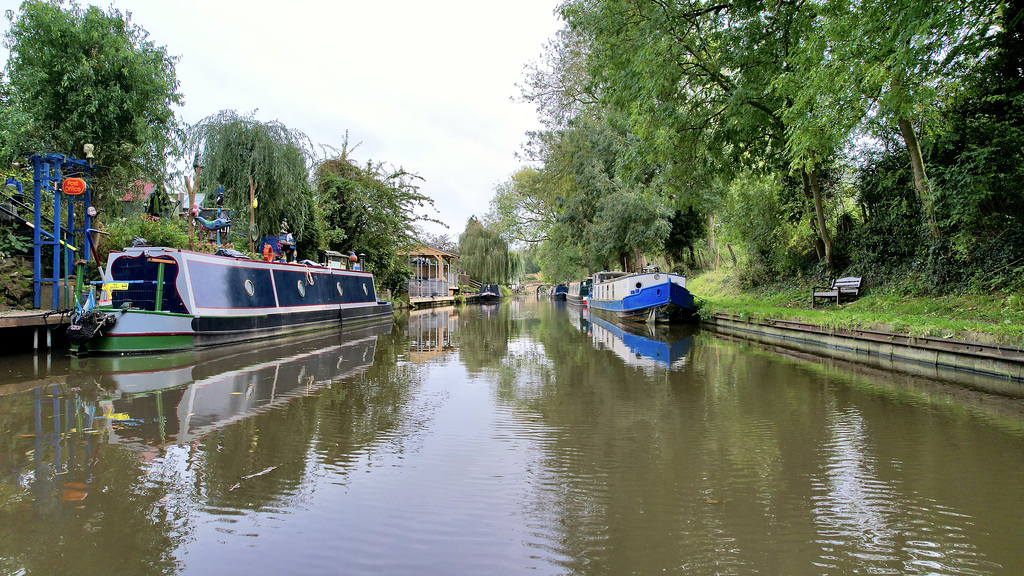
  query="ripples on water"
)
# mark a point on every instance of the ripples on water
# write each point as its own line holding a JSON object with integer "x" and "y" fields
{"x": 503, "y": 440}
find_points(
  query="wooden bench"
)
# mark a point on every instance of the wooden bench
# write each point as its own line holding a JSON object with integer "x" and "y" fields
{"x": 841, "y": 289}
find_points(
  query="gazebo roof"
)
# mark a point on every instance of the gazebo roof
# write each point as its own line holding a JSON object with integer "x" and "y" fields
{"x": 423, "y": 250}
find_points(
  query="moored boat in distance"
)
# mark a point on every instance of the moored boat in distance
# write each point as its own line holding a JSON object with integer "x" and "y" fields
{"x": 579, "y": 292}
{"x": 159, "y": 299}
{"x": 489, "y": 294}
{"x": 651, "y": 296}
{"x": 559, "y": 292}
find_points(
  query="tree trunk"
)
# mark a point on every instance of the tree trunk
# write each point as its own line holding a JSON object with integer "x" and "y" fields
{"x": 921, "y": 185}
{"x": 711, "y": 238}
{"x": 731, "y": 254}
{"x": 810, "y": 180}
{"x": 638, "y": 260}
{"x": 191, "y": 187}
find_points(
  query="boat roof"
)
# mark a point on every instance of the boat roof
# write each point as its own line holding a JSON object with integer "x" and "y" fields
{"x": 607, "y": 275}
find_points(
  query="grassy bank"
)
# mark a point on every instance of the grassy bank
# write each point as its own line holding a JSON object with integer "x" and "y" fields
{"x": 991, "y": 318}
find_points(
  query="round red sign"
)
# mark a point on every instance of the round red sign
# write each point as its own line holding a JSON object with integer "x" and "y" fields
{"x": 73, "y": 186}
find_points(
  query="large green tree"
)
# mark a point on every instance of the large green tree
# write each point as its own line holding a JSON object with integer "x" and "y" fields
{"x": 694, "y": 82}
{"x": 754, "y": 117}
{"x": 887, "y": 66}
{"x": 80, "y": 75}
{"x": 370, "y": 208}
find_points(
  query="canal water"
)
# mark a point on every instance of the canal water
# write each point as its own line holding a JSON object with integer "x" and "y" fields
{"x": 521, "y": 438}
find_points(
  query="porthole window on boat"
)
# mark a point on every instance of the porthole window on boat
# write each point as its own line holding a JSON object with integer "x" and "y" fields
{"x": 249, "y": 288}
{"x": 302, "y": 288}
{"x": 338, "y": 286}
{"x": 639, "y": 285}
{"x": 365, "y": 291}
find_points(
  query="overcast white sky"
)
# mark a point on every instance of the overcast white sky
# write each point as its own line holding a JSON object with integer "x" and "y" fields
{"x": 422, "y": 84}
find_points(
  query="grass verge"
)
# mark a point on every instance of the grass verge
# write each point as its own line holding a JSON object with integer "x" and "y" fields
{"x": 990, "y": 318}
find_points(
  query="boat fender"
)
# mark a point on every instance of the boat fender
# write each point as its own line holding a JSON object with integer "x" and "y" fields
{"x": 86, "y": 325}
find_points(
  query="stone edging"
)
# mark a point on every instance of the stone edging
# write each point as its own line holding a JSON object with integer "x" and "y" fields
{"x": 1002, "y": 364}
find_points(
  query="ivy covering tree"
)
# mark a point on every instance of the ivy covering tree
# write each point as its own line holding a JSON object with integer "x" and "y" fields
{"x": 80, "y": 75}
{"x": 370, "y": 208}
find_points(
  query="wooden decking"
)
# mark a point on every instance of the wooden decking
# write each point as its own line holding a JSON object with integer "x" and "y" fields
{"x": 32, "y": 318}
{"x": 28, "y": 330}
{"x": 429, "y": 301}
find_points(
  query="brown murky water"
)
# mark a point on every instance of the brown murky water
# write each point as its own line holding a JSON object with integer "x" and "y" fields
{"x": 520, "y": 438}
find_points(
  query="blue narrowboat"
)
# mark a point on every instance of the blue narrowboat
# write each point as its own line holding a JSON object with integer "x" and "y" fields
{"x": 559, "y": 292}
{"x": 489, "y": 294}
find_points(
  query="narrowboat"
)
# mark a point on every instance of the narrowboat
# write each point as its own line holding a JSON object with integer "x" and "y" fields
{"x": 559, "y": 292}
{"x": 156, "y": 299}
{"x": 489, "y": 294}
{"x": 651, "y": 296}
{"x": 579, "y": 292}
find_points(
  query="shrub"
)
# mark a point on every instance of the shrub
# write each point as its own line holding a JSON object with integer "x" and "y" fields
{"x": 170, "y": 232}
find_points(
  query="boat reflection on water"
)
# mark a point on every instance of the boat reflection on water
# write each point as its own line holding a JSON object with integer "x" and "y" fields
{"x": 643, "y": 346}
{"x": 179, "y": 398}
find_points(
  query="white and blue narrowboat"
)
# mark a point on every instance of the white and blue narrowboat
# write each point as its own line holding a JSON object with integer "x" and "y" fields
{"x": 651, "y": 296}
{"x": 579, "y": 292}
{"x": 157, "y": 299}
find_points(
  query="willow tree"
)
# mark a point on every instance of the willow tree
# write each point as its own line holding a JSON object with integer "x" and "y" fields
{"x": 484, "y": 253}
{"x": 265, "y": 159}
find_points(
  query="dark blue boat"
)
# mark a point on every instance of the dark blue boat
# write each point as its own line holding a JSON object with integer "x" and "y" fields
{"x": 559, "y": 292}
{"x": 489, "y": 293}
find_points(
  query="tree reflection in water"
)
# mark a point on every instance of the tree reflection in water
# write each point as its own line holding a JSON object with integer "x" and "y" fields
{"x": 526, "y": 435}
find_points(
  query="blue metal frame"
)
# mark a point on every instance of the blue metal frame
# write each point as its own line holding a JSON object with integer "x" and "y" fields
{"x": 49, "y": 170}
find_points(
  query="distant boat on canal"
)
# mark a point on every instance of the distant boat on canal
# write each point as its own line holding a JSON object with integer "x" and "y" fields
{"x": 579, "y": 292}
{"x": 559, "y": 292}
{"x": 159, "y": 299}
{"x": 489, "y": 294}
{"x": 651, "y": 296}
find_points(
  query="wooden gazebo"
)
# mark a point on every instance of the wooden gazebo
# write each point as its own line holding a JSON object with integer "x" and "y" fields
{"x": 433, "y": 276}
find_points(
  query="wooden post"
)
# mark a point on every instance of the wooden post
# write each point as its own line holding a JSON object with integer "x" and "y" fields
{"x": 191, "y": 187}
{"x": 252, "y": 214}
